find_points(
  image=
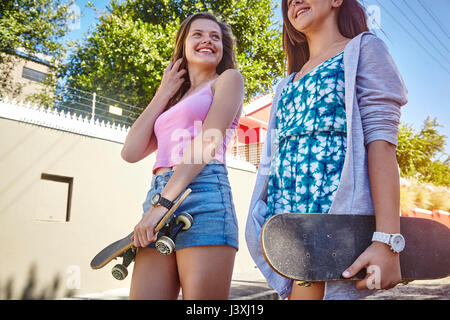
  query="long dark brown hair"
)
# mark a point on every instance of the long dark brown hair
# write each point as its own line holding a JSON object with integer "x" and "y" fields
{"x": 351, "y": 21}
{"x": 228, "y": 59}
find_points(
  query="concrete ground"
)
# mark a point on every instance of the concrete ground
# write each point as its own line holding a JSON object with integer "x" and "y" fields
{"x": 240, "y": 290}
{"x": 417, "y": 290}
{"x": 248, "y": 286}
{"x": 257, "y": 289}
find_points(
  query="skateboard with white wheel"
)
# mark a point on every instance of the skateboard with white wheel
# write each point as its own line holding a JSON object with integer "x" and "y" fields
{"x": 170, "y": 226}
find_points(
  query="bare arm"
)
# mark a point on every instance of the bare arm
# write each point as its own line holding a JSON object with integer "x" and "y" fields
{"x": 141, "y": 141}
{"x": 385, "y": 185}
{"x": 138, "y": 143}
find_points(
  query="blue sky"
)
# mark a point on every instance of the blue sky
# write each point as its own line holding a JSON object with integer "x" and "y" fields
{"x": 417, "y": 33}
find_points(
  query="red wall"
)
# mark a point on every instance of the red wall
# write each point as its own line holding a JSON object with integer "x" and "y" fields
{"x": 247, "y": 135}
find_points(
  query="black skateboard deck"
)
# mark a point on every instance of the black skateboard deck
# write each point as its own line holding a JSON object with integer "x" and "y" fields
{"x": 124, "y": 248}
{"x": 319, "y": 247}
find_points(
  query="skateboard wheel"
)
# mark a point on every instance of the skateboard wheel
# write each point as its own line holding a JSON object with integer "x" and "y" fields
{"x": 186, "y": 218}
{"x": 165, "y": 245}
{"x": 119, "y": 272}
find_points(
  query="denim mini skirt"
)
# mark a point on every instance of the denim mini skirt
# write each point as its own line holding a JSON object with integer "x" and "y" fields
{"x": 211, "y": 205}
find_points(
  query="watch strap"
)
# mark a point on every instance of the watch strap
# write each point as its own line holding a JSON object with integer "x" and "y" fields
{"x": 165, "y": 202}
{"x": 382, "y": 237}
{"x": 161, "y": 201}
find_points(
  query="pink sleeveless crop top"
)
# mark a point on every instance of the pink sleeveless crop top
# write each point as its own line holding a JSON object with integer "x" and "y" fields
{"x": 176, "y": 127}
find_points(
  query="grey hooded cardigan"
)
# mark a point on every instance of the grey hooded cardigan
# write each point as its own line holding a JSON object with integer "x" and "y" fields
{"x": 374, "y": 93}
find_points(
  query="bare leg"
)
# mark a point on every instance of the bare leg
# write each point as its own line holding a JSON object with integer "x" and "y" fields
{"x": 205, "y": 272}
{"x": 314, "y": 292}
{"x": 155, "y": 276}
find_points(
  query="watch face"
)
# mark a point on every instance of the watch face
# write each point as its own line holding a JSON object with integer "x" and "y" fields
{"x": 155, "y": 199}
{"x": 398, "y": 243}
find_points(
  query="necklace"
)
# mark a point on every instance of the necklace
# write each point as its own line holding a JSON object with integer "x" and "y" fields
{"x": 302, "y": 70}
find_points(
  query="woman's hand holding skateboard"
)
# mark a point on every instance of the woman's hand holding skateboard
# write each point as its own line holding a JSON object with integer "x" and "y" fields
{"x": 144, "y": 231}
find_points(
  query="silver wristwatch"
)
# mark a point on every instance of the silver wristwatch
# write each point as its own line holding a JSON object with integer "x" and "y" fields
{"x": 395, "y": 241}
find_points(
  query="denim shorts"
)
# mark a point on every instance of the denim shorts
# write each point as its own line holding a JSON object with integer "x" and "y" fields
{"x": 211, "y": 205}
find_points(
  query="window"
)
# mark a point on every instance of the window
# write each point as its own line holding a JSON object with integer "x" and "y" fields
{"x": 34, "y": 75}
{"x": 55, "y": 198}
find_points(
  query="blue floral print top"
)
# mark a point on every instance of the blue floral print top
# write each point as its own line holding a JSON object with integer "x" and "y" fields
{"x": 310, "y": 141}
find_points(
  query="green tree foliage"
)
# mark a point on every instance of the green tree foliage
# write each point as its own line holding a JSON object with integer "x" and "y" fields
{"x": 421, "y": 154}
{"x": 124, "y": 58}
{"x": 35, "y": 26}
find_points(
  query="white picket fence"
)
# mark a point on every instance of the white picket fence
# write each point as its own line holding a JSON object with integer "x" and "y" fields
{"x": 60, "y": 120}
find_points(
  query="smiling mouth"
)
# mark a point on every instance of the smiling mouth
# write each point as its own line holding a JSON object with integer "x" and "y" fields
{"x": 206, "y": 50}
{"x": 304, "y": 10}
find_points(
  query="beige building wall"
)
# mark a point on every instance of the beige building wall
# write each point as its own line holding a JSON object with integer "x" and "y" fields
{"x": 106, "y": 197}
{"x": 28, "y": 86}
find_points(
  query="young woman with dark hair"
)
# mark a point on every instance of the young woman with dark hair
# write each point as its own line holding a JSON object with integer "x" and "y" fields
{"x": 194, "y": 112}
{"x": 331, "y": 139}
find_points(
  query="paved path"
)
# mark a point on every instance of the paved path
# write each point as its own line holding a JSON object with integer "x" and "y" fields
{"x": 258, "y": 289}
{"x": 416, "y": 290}
{"x": 240, "y": 290}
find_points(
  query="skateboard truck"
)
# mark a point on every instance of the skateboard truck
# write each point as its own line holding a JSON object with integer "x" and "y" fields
{"x": 303, "y": 283}
{"x": 165, "y": 245}
{"x": 125, "y": 249}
